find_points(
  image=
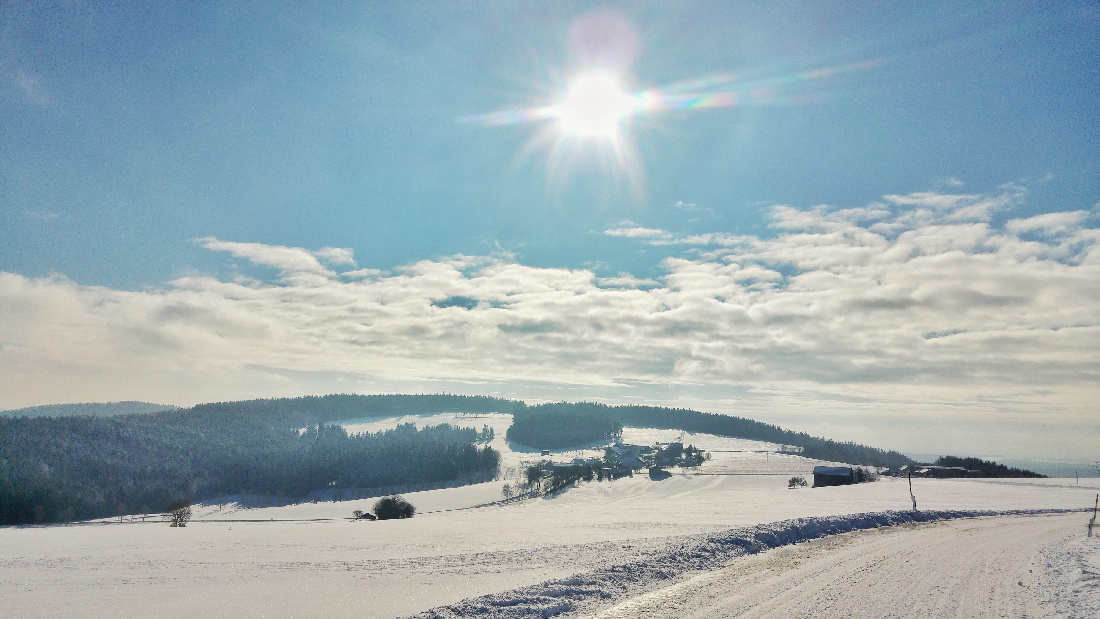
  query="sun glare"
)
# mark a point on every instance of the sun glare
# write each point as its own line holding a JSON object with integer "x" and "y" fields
{"x": 594, "y": 106}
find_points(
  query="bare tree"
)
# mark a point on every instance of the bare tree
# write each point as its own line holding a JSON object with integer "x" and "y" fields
{"x": 179, "y": 512}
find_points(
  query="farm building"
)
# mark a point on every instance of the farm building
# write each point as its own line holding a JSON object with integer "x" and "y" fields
{"x": 832, "y": 476}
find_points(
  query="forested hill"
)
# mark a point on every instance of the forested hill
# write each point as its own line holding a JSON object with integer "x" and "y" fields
{"x": 739, "y": 427}
{"x": 563, "y": 425}
{"x": 985, "y": 468}
{"x": 342, "y": 407}
{"x": 56, "y": 469}
{"x": 554, "y": 426}
{"x": 95, "y": 409}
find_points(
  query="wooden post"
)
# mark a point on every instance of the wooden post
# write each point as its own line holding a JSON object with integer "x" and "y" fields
{"x": 910, "y": 471}
{"x": 1092, "y": 522}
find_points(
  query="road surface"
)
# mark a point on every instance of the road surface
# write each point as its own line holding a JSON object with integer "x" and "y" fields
{"x": 1033, "y": 566}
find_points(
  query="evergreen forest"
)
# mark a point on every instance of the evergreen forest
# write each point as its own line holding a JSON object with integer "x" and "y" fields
{"x": 58, "y": 469}
{"x": 985, "y": 468}
{"x": 563, "y": 425}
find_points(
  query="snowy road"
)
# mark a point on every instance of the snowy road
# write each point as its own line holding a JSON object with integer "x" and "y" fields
{"x": 986, "y": 567}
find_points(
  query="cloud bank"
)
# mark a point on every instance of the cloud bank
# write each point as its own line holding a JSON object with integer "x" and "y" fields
{"x": 917, "y": 313}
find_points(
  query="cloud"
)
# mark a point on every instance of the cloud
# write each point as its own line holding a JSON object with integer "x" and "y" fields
{"x": 29, "y": 84}
{"x": 292, "y": 262}
{"x": 1051, "y": 224}
{"x": 287, "y": 259}
{"x": 336, "y": 255}
{"x": 871, "y": 305}
{"x": 626, "y": 280}
{"x": 638, "y": 232}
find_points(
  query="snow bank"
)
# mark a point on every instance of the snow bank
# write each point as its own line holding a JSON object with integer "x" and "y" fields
{"x": 698, "y": 554}
{"x": 1070, "y": 581}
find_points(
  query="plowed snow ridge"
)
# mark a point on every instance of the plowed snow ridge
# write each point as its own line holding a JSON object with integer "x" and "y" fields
{"x": 692, "y": 578}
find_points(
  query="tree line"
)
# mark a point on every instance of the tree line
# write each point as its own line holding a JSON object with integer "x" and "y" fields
{"x": 740, "y": 427}
{"x": 985, "y": 468}
{"x": 563, "y": 425}
{"x": 57, "y": 469}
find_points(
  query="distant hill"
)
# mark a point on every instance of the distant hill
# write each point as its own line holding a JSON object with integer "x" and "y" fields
{"x": 61, "y": 467}
{"x": 74, "y": 461}
{"x": 94, "y": 409}
{"x": 568, "y": 424}
{"x": 985, "y": 468}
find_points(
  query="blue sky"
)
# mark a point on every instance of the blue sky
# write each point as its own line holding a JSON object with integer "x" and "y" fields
{"x": 873, "y": 221}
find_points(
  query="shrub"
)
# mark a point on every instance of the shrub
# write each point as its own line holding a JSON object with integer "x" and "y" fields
{"x": 861, "y": 475}
{"x": 393, "y": 506}
{"x": 179, "y": 512}
{"x": 797, "y": 482}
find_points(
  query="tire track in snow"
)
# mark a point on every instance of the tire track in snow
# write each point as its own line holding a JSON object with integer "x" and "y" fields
{"x": 982, "y": 568}
{"x": 703, "y": 555}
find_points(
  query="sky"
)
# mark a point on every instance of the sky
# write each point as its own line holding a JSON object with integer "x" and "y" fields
{"x": 871, "y": 221}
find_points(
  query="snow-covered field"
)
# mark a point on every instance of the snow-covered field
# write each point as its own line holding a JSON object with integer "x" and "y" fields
{"x": 625, "y": 548}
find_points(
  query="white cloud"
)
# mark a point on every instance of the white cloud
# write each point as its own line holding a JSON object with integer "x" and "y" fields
{"x": 932, "y": 313}
{"x": 361, "y": 273}
{"x": 289, "y": 260}
{"x": 638, "y": 233}
{"x": 1048, "y": 223}
{"x": 626, "y": 280}
{"x": 336, "y": 255}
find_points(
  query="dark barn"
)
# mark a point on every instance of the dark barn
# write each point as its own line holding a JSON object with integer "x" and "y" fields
{"x": 832, "y": 476}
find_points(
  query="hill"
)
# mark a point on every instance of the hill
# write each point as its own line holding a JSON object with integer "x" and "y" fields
{"x": 56, "y": 469}
{"x": 573, "y": 424}
{"x": 60, "y": 467}
{"x": 94, "y": 409}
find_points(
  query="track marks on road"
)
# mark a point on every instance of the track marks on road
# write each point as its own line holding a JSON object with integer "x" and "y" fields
{"x": 987, "y": 567}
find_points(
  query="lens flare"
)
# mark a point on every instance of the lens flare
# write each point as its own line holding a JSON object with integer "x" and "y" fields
{"x": 600, "y": 93}
{"x": 594, "y": 111}
{"x": 594, "y": 106}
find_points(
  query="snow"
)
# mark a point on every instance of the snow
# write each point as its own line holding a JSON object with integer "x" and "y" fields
{"x": 986, "y": 567}
{"x": 1069, "y": 583}
{"x": 548, "y": 555}
{"x": 824, "y": 580}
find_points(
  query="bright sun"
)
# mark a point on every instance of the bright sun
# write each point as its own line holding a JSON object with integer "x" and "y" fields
{"x": 594, "y": 106}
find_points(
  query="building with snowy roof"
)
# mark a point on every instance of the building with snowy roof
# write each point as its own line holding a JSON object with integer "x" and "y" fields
{"x": 832, "y": 476}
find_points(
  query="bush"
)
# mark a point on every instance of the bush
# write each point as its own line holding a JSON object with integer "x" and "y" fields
{"x": 179, "y": 512}
{"x": 797, "y": 482}
{"x": 861, "y": 475}
{"x": 393, "y": 506}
